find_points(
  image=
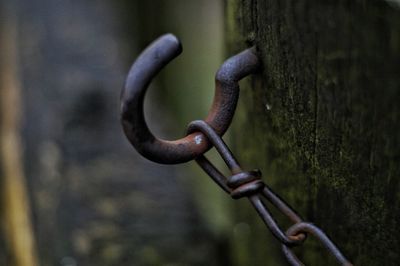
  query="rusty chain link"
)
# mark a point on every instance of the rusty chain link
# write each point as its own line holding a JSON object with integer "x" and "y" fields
{"x": 249, "y": 184}
{"x": 202, "y": 135}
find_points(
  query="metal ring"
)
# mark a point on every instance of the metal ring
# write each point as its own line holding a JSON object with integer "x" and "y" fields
{"x": 311, "y": 229}
{"x": 149, "y": 63}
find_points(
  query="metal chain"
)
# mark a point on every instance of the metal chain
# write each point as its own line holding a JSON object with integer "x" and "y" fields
{"x": 249, "y": 184}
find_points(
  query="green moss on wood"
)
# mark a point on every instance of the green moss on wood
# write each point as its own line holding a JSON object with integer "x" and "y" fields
{"x": 322, "y": 120}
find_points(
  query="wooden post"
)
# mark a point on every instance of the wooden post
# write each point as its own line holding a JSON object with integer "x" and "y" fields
{"x": 15, "y": 211}
{"x": 322, "y": 122}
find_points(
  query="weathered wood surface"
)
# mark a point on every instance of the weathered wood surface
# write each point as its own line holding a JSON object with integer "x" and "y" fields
{"x": 322, "y": 121}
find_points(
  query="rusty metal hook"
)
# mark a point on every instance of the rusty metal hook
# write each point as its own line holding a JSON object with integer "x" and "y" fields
{"x": 157, "y": 55}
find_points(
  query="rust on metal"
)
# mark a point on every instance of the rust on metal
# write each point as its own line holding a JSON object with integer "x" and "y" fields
{"x": 248, "y": 184}
{"x": 245, "y": 184}
{"x": 202, "y": 135}
{"x": 149, "y": 63}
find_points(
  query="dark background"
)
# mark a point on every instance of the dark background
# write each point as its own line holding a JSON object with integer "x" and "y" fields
{"x": 89, "y": 198}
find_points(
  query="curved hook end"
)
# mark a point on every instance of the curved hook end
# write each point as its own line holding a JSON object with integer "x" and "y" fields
{"x": 147, "y": 65}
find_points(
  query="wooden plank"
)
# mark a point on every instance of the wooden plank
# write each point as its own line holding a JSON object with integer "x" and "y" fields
{"x": 322, "y": 121}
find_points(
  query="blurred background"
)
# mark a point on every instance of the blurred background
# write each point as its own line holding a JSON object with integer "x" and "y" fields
{"x": 323, "y": 128}
{"x": 73, "y": 190}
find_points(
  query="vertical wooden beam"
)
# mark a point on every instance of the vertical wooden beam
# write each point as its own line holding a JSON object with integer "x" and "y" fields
{"x": 16, "y": 221}
{"x": 322, "y": 121}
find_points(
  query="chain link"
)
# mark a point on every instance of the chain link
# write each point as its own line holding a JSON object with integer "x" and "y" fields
{"x": 249, "y": 184}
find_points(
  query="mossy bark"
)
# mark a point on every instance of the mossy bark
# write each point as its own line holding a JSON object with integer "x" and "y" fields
{"x": 322, "y": 121}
